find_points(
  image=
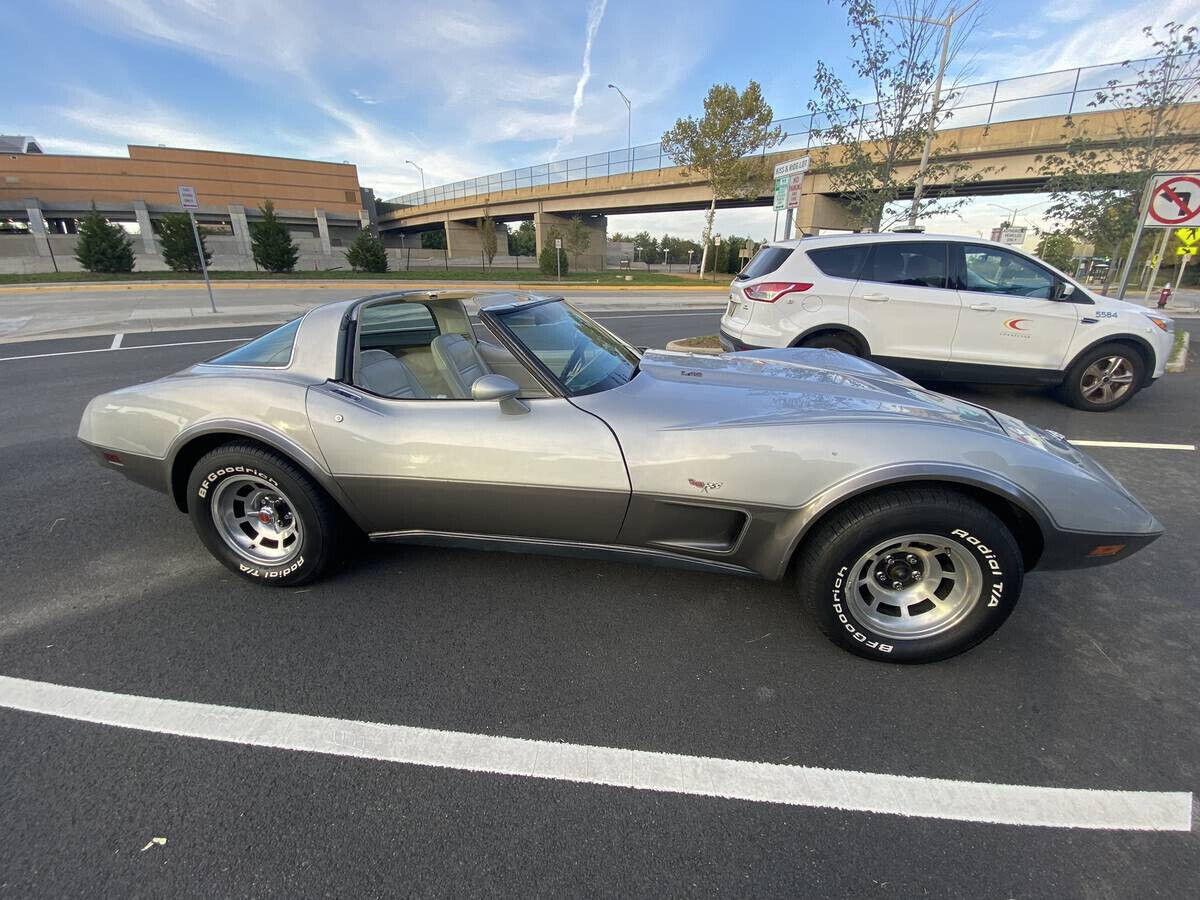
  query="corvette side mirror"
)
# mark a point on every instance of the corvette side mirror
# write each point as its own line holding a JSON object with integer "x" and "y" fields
{"x": 502, "y": 389}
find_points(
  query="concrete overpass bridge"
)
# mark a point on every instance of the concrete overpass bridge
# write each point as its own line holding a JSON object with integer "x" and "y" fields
{"x": 999, "y": 128}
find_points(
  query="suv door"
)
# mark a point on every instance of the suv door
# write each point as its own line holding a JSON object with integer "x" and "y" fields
{"x": 905, "y": 305}
{"x": 1010, "y": 316}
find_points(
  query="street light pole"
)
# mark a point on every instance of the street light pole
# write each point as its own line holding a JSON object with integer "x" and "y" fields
{"x": 946, "y": 24}
{"x": 628, "y": 127}
{"x": 422, "y": 171}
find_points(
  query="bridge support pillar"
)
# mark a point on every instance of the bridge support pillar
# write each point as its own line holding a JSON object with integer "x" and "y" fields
{"x": 465, "y": 241}
{"x": 819, "y": 211}
{"x": 546, "y": 225}
{"x": 37, "y": 226}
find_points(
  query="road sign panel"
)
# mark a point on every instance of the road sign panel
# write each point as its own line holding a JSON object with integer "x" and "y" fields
{"x": 1174, "y": 200}
{"x": 795, "y": 183}
{"x": 558, "y": 243}
{"x": 1189, "y": 237}
{"x": 781, "y": 190}
{"x": 1187, "y": 251}
{"x": 187, "y": 197}
{"x": 793, "y": 167}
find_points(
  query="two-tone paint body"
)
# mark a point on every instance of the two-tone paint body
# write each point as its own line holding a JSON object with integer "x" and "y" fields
{"x": 720, "y": 462}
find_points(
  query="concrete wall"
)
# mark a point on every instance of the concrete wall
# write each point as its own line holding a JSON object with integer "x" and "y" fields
{"x": 546, "y": 224}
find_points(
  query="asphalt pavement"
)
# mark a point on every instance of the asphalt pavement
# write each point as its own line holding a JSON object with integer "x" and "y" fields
{"x": 1093, "y": 683}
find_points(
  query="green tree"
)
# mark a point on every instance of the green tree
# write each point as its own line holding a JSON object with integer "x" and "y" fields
{"x": 523, "y": 241}
{"x": 1057, "y": 249}
{"x": 102, "y": 245}
{"x": 433, "y": 240}
{"x": 367, "y": 253}
{"x": 726, "y": 146}
{"x": 577, "y": 238}
{"x": 873, "y": 125}
{"x": 273, "y": 248}
{"x": 646, "y": 244}
{"x": 487, "y": 236}
{"x": 179, "y": 244}
{"x": 1096, "y": 185}
{"x": 550, "y": 259}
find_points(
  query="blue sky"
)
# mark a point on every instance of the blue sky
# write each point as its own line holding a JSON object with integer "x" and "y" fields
{"x": 467, "y": 87}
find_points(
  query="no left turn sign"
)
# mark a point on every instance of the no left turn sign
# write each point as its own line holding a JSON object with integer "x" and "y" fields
{"x": 1174, "y": 201}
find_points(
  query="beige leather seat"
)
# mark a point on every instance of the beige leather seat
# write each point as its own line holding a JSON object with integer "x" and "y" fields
{"x": 459, "y": 363}
{"x": 381, "y": 373}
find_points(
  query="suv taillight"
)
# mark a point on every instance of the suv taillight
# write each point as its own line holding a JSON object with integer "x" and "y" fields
{"x": 770, "y": 291}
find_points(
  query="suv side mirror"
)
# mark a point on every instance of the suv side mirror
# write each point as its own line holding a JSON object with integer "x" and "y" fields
{"x": 1063, "y": 290}
{"x": 501, "y": 388}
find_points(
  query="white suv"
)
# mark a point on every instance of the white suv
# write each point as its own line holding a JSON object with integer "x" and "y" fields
{"x": 937, "y": 307}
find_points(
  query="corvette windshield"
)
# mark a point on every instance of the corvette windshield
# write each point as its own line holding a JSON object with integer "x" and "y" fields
{"x": 582, "y": 356}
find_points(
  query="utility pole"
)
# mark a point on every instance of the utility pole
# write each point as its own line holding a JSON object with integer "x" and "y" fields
{"x": 628, "y": 127}
{"x": 946, "y": 24}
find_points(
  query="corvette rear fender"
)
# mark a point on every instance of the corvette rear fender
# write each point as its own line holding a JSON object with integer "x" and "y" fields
{"x": 193, "y": 443}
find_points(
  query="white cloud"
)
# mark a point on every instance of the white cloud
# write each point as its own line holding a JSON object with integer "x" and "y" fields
{"x": 362, "y": 98}
{"x": 1070, "y": 12}
{"x": 595, "y": 17}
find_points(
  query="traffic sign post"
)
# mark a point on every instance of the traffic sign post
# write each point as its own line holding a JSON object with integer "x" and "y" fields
{"x": 789, "y": 176}
{"x": 1169, "y": 200}
{"x": 558, "y": 256}
{"x": 188, "y": 200}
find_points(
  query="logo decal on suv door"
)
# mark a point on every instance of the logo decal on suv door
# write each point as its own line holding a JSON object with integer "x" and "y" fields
{"x": 1015, "y": 324}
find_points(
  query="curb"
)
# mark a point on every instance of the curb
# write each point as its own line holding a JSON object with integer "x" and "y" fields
{"x": 1178, "y": 360}
{"x": 680, "y": 347}
{"x": 322, "y": 284}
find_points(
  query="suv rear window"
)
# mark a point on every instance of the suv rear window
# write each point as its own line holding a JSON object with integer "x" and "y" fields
{"x": 840, "y": 262}
{"x": 765, "y": 261}
{"x": 273, "y": 349}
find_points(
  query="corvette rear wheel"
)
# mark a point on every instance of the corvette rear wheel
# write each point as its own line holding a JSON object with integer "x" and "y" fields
{"x": 910, "y": 575}
{"x": 261, "y": 515}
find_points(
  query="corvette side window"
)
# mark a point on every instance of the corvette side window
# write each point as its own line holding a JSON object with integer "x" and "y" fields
{"x": 272, "y": 350}
{"x": 990, "y": 270}
{"x": 394, "y": 356}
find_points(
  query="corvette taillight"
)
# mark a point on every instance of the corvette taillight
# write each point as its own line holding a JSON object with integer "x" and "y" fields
{"x": 770, "y": 291}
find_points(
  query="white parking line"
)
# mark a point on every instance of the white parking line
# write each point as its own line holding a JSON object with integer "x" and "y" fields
{"x": 1131, "y": 445}
{"x": 116, "y": 343}
{"x": 237, "y": 340}
{"x": 967, "y": 801}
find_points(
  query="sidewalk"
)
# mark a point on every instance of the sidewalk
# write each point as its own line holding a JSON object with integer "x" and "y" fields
{"x": 130, "y": 308}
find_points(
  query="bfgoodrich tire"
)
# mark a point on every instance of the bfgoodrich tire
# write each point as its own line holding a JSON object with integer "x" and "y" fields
{"x": 261, "y": 515}
{"x": 1103, "y": 378}
{"x": 910, "y": 575}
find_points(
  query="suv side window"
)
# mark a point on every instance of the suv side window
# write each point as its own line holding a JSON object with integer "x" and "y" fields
{"x": 840, "y": 262}
{"x": 990, "y": 270}
{"x": 920, "y": 263}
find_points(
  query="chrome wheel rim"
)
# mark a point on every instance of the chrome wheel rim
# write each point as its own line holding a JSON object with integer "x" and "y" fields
{"x": 256, "y": 520}
{"x": 1107, "y": 379}
{"x": 914, "y": 586}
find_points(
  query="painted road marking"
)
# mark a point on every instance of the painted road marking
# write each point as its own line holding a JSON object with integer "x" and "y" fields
{"x": 116, "y": 343}
{"x": 1131, "y": 445}
{"x": 237, "y": 340}
{"x": 967, "y": 801}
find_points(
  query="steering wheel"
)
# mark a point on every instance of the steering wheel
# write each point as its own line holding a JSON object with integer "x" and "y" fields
{"x": 576, "y": 355}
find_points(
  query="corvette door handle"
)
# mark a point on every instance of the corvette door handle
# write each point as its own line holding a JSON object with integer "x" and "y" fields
{"x": 876, "y": 298}
{"x": 984, "y": 307}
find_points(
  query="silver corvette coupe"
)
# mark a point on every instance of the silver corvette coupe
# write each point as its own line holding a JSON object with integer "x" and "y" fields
{"x": 907, "y": 518}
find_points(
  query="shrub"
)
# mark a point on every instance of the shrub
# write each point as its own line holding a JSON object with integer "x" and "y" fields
{"x": 547, "y": 264}
{"x": 103, "y": 246}
{"x": 179, "y": 244}
{"x": 274, "y": 249}
{"x": 367, "y": 253}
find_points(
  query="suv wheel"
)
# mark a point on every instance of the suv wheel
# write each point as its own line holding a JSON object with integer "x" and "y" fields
{"x": 1103, "y": 378}
{"x": 911, "y": 575}
{"x": 832, "y": 341}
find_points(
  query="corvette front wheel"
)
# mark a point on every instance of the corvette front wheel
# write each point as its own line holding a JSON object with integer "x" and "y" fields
{"x": 910, "y": 575}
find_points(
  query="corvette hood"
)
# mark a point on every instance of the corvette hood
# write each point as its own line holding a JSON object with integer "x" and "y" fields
{"x": 786, "y": 386}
